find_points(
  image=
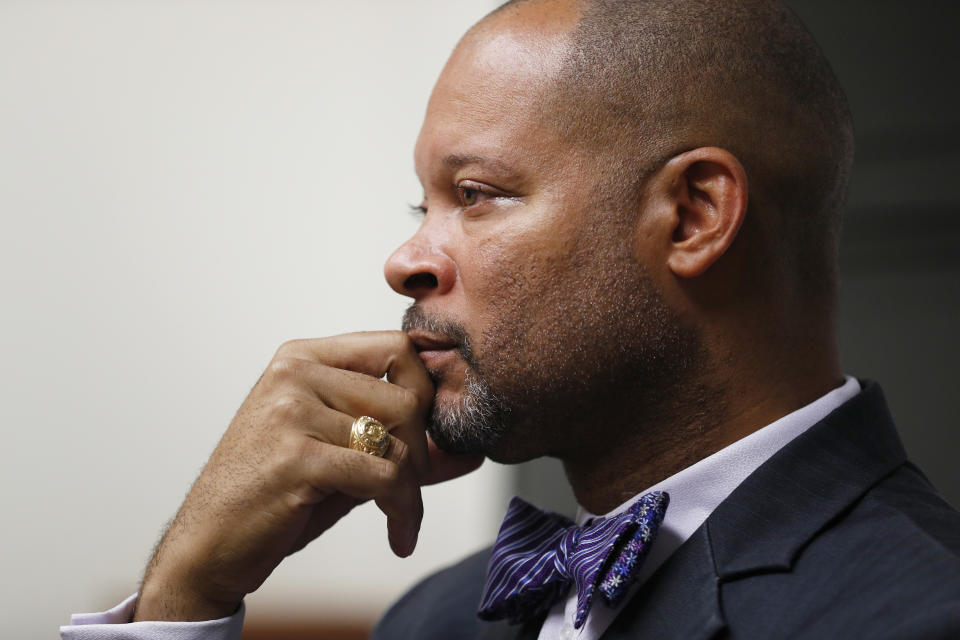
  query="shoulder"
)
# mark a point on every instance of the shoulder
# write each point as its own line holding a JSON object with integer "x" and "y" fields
{"x": 889, "y": 566}
{"x": 900, "y": 534}
{"x": 906, "y": 505}
{"x": 442, "y": 606}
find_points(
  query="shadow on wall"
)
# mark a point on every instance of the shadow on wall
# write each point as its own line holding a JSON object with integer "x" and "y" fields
{"x": 900, "y": 270}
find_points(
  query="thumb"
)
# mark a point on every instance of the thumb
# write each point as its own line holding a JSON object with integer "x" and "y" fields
{"x": 447, "y": 466}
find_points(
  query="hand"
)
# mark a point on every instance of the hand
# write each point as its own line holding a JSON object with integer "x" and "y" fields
{"x": 282, "y": 473}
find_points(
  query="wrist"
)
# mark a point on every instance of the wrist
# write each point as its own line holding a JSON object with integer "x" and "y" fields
{"x": 167, "y": 600}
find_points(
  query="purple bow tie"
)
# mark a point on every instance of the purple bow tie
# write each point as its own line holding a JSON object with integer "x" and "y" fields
{"x": 538, "y": 555}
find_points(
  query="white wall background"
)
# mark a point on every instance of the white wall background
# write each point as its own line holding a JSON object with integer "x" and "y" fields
{"x": 183, "y": 186}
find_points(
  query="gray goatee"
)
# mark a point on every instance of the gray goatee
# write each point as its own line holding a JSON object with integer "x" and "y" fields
{"x": 475, "y": 421}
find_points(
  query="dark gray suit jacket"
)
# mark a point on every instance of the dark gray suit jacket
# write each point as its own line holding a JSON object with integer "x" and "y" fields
{"x": 836, "y": 536}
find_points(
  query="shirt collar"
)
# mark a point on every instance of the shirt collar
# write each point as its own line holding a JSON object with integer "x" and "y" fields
{"x": 694, "y": 493}
{"x": 697, "y": 490}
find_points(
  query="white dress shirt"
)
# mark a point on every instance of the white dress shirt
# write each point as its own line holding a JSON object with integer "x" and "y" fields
{"x": 115, "y": 625}
{"x": 694, "y": 493}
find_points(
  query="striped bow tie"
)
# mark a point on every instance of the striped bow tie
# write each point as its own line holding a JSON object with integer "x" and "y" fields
{"x": 539, "y": 555}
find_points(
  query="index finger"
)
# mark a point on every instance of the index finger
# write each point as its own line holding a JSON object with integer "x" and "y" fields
{"x": 377, "y": 354}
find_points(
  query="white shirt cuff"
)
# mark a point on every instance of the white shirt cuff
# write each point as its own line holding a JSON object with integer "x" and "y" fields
{"x": 115, "y": 625}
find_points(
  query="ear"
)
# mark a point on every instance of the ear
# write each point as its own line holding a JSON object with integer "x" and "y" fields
{"x": 708, "y": 202}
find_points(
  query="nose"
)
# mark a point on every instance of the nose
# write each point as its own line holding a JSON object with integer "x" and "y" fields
{"x": 419, "y": 269}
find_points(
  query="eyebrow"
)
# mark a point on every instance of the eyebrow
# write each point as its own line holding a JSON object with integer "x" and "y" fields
{"x": 455, "y": 161}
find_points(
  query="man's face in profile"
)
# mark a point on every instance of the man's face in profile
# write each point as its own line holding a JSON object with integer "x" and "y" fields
{"x": 529, "y": 297}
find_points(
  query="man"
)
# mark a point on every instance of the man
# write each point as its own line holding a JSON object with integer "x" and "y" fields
{"x": 626, "y": 261}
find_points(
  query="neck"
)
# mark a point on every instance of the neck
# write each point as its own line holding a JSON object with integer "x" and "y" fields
{"x": 698, "y": 421}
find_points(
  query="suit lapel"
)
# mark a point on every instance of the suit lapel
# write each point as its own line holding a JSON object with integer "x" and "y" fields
{"x": 767, "y": 520}
{"x": 778, "y": 509}
{"x": 681, "y": 600}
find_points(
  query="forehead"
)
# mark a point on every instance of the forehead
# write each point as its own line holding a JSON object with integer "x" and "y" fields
{"x": 489, "y": 96}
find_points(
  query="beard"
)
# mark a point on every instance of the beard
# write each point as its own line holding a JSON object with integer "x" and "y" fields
{"x": 563, "y": 375}
{"x": 578, "y": 353}
{"x": 478, "y": 419}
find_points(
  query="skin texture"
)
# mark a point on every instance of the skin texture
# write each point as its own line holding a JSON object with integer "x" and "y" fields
{"x": 623, "y": 331}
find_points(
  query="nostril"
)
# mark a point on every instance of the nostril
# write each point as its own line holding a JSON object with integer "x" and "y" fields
{"x": 420, "y": 281}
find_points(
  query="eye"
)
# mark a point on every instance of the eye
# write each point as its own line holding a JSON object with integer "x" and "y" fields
{"x": 468, "y": 194}
{"x": 472, "y": 194}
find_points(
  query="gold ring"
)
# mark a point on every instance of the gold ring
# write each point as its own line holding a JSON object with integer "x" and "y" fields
{"x": 369, "y": 436}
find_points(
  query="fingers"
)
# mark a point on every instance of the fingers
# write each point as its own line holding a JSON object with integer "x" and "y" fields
{"x": 344, "y": 373}
{"x": 375, "y": 353}
{"x": 334, "y": 508}
{"x": 326, "y": 424}
{"x": 283, "y": 473}
{"x": 389, "y": 481}
{"x": 352, "y": 393}
{"x": 447, "y": 466}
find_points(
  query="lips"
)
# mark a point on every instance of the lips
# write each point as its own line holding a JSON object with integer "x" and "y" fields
{"x": 428, "y": 341}
{"x": 436, "y": 351}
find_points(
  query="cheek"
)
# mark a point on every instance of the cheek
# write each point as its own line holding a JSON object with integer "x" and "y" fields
{"x": 523, "y": 272}
{"x": 540, "y": 300}
{"x": 523, "y": 290}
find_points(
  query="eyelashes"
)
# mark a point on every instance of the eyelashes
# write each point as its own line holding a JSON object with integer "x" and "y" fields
{"x": 467, "y": 194}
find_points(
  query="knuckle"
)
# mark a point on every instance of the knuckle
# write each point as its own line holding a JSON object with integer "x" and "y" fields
{"x": 401, "y": 342}
{"x": 289, "y": 348}
{"x": 347, "y": 466}
{"x": 289, "y": 408}
{"x": 287, "y": 456}
{"x": 400, "y": 452}
{"x": 301, "y": 469}
{"x": 388, "y": 472}
{"x": 282, "y": 369}
{"x": 408, "y": 403}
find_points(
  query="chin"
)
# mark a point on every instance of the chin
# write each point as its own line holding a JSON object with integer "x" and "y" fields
{"x": 493, "y": 449}
{"x": 504, "y": 455}
{"x": 474, "y": 419}
{"x": 464, "y": 430}
{"x": 460, "y": 423}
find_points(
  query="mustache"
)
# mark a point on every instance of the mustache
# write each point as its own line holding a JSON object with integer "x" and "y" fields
{"x": 416, "y": 318}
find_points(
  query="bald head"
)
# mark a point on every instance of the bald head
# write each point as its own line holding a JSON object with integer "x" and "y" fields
{"x": 644, "y": 80}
